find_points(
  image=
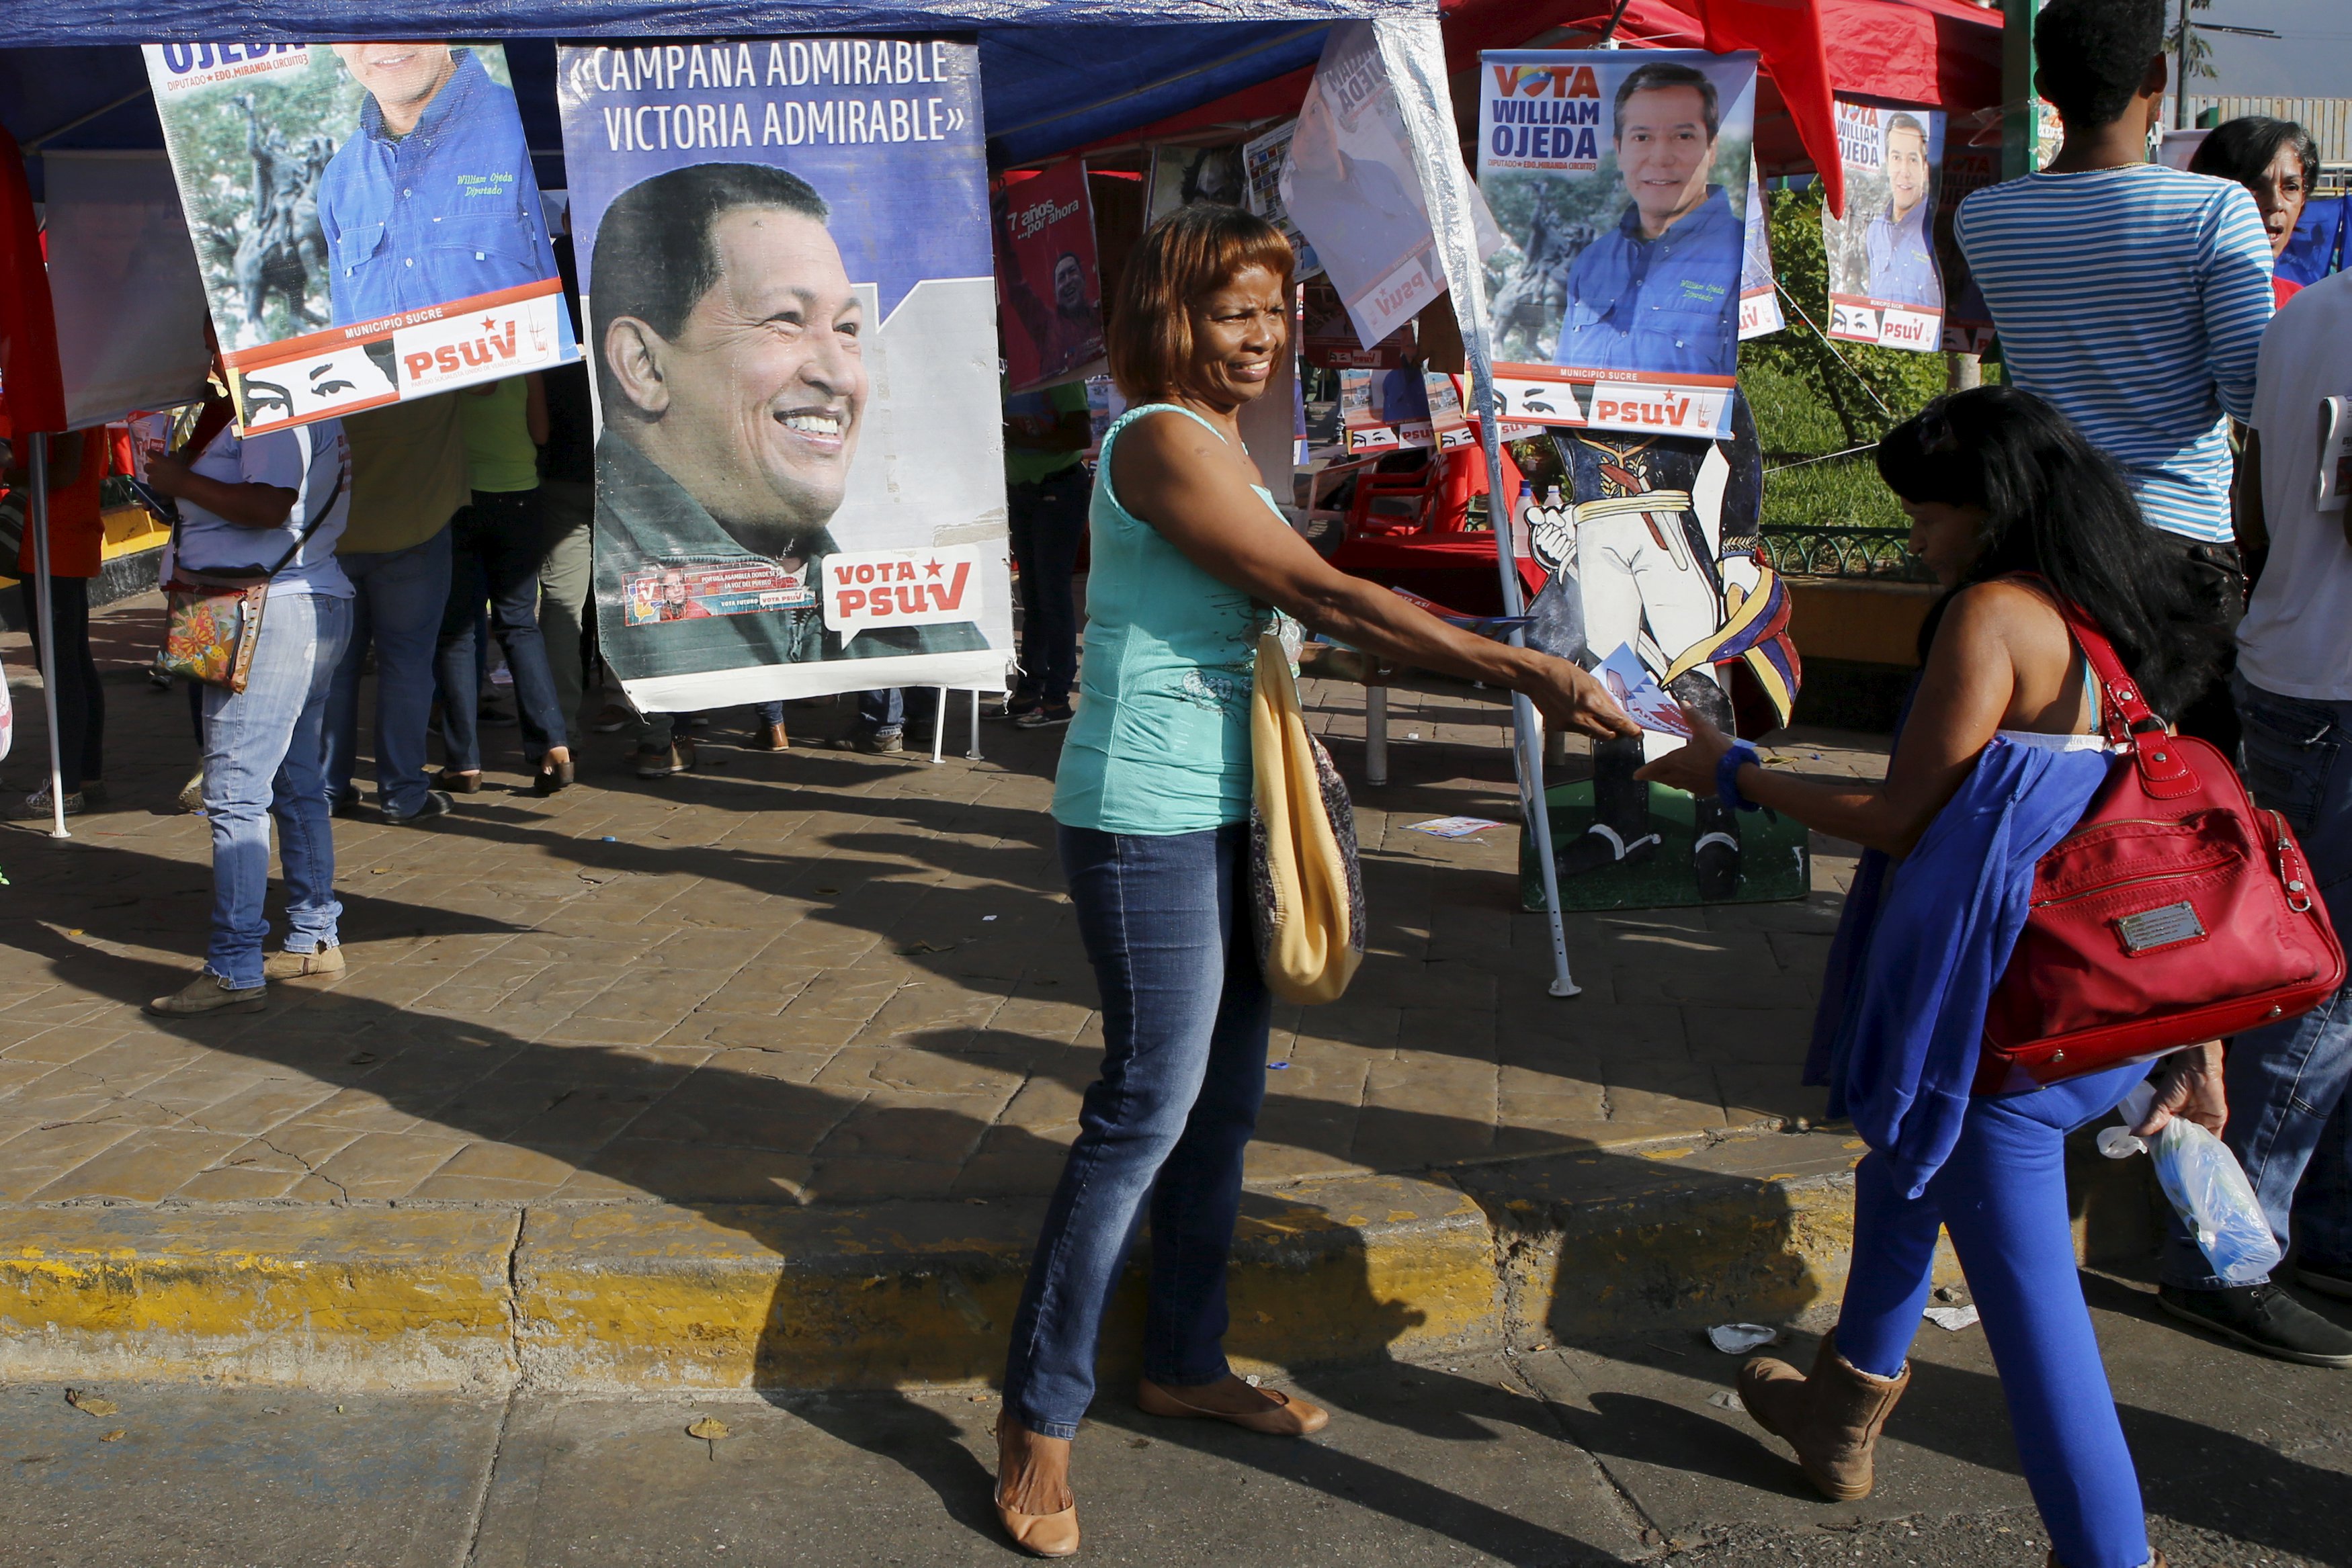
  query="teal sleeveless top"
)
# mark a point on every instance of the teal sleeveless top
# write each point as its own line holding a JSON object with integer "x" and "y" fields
{"x": 1161, "y": 741}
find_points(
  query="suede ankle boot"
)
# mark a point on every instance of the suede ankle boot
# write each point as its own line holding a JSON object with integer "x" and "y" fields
{"x": 1831, "y": 1418}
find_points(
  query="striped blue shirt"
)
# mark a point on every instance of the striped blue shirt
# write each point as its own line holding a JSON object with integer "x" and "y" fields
{"x": 2134, "y": 299}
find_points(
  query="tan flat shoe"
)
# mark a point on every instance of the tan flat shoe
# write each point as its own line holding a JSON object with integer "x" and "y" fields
{"x": 1042, "y": 1534}
{"x": 1288, "y": 1418}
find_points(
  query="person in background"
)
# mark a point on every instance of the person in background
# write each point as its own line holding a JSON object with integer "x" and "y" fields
{"x": 2133, "y": 296}
{"x": 567, "y": 510}
{"x": 408, "y": 480}
{"x": 2288, "y": 1109}
{"x": 77, "y": 467}
{"x": 1045, "y": 485}
{"x": 243, "y": 503}
{"x": 2278, "y": 163}
{"x": 2000, "y": 751}
{"x": 882, "y": 715}
{"x": 494, "y": 554}
{"x": 1153, "y": 805}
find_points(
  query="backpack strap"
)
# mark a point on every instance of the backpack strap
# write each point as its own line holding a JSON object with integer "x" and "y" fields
{"x": 2124, "y": 715}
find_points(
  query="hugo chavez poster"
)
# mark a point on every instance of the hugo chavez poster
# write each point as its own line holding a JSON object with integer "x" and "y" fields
{"x": 786, "y": 274}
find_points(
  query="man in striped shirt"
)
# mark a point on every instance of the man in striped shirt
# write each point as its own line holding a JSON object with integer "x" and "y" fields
{"x": 2130, "y": 295}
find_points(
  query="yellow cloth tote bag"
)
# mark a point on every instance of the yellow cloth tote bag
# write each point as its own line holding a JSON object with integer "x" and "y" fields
{"x": 1308, "y": 890}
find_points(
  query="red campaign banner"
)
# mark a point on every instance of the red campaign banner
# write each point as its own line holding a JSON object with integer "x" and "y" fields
{"x": 1048, "y": 281}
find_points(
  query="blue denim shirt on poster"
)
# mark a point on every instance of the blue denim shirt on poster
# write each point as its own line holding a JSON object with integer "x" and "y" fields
{"x": 1668, "y": 304}
{"x": 1901, "y": 268}
{"x": 449, "y": 211}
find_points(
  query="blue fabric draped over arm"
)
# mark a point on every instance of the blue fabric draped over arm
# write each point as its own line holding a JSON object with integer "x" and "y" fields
{"x": 1923, "y": 941}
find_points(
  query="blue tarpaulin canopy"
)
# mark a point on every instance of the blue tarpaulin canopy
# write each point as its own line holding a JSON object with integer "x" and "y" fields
{"x": 1057, "y": 74}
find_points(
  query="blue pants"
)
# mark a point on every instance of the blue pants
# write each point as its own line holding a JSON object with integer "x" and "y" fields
{"x": 494, "y": 556}
{"x": 1185, "y": 1013}
{"x": 2287, "y": 1082}
{"x": 2002, "y": 1196}
{"x": 400, "y": 598}
{"x": 264, "y": 752}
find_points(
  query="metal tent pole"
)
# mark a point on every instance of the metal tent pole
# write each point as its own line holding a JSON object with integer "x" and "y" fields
{"x": 1413, "y": 51}
{"x": 44, "y": 633}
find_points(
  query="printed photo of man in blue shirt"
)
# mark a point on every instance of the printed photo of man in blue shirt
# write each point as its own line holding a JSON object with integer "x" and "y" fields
{"x": 1901, "y": 264}
{"x": 1659, "y": 293}
{"x": 430, "y": 199}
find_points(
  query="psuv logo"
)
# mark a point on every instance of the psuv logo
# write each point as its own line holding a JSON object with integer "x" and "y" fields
{"x": 491, "y": 345}
{"x": 866, "y": 591}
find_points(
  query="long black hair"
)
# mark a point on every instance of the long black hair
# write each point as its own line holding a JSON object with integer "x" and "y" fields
{"x": 2055, "y": 505}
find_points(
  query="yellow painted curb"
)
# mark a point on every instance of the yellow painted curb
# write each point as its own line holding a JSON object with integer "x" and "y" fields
{"x": 330, "y": 1297}
{"x": 900, "y": 1294}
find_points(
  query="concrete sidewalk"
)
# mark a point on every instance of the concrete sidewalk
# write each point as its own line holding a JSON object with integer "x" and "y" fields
{"x": 1615, "y": 1452}
{"x": 819, "y": 1007}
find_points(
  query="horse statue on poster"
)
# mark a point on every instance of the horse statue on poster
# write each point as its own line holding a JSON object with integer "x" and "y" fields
{"x": 282, "y": 247}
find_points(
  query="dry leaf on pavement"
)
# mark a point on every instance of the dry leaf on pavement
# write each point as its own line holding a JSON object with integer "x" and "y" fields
{"x": 709, "y": 1429}
{"x": 90, "y": 1403}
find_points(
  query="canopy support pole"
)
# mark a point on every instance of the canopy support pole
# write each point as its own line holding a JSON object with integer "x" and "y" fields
{"x": 1414, "y": 52}
{"x": 37, "y": 514}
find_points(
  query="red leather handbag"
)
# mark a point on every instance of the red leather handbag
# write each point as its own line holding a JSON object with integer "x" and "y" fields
{"x": 2174, "y": 913}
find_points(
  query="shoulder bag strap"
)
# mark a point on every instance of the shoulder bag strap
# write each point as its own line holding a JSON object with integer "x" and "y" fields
{"x": 2125, "y": 714}
{"x": 334, "y": 493}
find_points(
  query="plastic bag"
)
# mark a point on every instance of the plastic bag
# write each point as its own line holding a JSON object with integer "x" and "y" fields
{"x": 2203, "y": 1181}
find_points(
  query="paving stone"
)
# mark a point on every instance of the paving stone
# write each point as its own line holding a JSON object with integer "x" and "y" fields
{"x": 149, "y": 1165}
{"x": 387, "y": 1165}
{"x": 782, "y": 983}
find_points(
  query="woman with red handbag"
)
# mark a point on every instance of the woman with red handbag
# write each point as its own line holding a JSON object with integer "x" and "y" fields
{"x": 1998, "y": 754}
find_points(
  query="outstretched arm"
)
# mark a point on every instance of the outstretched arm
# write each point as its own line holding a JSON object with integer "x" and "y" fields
{"x": 1970, "y": 681}
{"x": 1183, "y": 480}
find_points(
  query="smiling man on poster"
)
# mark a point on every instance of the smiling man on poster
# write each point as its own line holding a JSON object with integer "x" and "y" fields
{"x": 1659, "y": 292}
{"x": 729, "y": 350}
{"x": 1900, "y": 260}
{"x": 430, "y": 199}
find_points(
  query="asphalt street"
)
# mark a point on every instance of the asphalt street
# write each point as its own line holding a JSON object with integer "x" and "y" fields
{"x": 1617, "y": 1452}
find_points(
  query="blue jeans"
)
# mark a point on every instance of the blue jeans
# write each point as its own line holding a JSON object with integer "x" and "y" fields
{"x": 264, "y": 756}
{"x": 495, "y": 549}
{"x": 400, "y": 597}
{"x": 885, "y": 712}
{"x": 2002, "y": 1196}
{"x": 1048, "y": 519}
{"x": 2286, "y": 1082}
{"x": 1165, "y": 921}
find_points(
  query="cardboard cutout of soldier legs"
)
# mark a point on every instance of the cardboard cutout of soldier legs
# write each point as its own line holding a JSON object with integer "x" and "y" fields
{"x": 1642, "y": 536}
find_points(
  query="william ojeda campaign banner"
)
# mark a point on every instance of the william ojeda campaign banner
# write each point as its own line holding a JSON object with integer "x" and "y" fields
{"x": 786, "y": 274}
{"x": 1885, "y": 284}
{"x": 1619, "y": 178}
{"x": 365, "y": 220}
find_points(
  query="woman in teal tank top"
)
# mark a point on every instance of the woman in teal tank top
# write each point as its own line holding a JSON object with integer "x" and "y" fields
{"x": 1191, "y": 557}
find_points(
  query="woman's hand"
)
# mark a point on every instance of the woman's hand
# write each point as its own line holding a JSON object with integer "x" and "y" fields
{"x": 1569, "y": 697}
{"x": 167, "y": 476}
{"x": 2189, "y": 1088}
{"x": 1692, "y": 765}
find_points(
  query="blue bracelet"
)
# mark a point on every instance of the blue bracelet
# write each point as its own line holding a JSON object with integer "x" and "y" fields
{"x": 1726, "y": 776}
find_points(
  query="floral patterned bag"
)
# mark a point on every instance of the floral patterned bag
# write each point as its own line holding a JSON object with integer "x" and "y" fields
{"x": 209, "y": 633}
{"x": 212, "y": 621}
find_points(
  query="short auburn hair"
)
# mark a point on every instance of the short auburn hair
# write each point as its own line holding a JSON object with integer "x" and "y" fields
{"x": 1190, "y": 253}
